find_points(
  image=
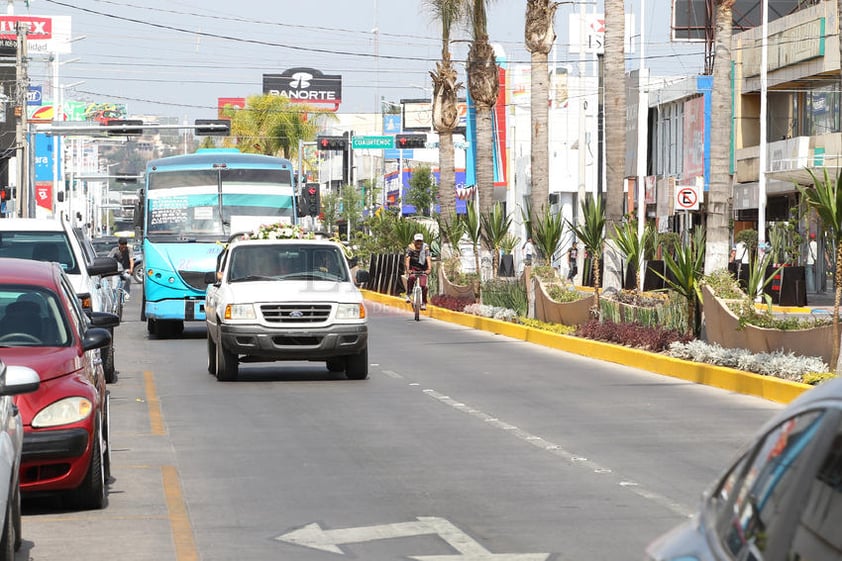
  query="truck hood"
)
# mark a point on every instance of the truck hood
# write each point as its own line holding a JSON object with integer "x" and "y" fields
{"x": 294, "y": 291}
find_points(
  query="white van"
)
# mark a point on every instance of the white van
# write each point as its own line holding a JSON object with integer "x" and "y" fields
{"x": 44, "y": 239}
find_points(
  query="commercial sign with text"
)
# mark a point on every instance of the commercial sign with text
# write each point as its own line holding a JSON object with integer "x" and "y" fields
{"x": 305, "y": 85}
{"x": 44, "y": 34}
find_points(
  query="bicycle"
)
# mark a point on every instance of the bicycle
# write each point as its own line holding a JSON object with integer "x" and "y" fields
{"x": 417, "y": 295}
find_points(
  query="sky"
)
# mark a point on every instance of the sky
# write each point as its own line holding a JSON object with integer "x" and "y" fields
{"x": 176, "y": 57}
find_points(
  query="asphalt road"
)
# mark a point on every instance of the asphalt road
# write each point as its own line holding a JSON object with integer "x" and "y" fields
{"x": 461, "y": 444}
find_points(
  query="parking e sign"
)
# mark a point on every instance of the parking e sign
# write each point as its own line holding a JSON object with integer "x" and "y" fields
{"x": 686, "y": 197}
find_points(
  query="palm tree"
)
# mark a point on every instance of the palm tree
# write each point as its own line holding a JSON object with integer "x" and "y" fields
{"x": 483, "y": 85}
{"x": 495, "y": 228}
{"x": 445, "y": 101}
{"x": 614, "y": 100}
{"x": 826, "y": 198}
{"x": 718, "y": 211}
{"x": 592, "y": 234}
{"x": 272, "y": 125}
{"x": 539, "y": 37}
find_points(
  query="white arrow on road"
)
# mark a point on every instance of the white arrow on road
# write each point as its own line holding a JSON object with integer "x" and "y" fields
{"x": 314, "y": 536}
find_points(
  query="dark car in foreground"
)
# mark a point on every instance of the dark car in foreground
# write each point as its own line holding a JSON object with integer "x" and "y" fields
{"x": 782, "y": 497}
{"x": 66, "y": 444}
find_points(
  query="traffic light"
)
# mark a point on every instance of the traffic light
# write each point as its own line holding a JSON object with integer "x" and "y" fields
{"x": 5, "y": 193}
{"x": 213, "y": 127}
{"x": 311, "y": 194}
{"x": 124, "y": 127}
{"x": 331, "y": 143}
{"x": 404, "y": 141}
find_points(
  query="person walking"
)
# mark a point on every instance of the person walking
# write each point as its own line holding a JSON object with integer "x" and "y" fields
{"x": 572, "y": 267}
{"x": 528, "y": 252}
{"x": 812, "y": 251}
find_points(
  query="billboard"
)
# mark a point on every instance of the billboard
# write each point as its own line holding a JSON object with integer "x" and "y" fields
{"x": 224, "y": 104}
{"x": 44, "y": 34}
{"x": 305, "y": 85}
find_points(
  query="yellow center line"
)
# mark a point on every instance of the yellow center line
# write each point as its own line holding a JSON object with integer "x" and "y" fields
{"x": 156, "y": 419}
{"x": 182, "y": 531}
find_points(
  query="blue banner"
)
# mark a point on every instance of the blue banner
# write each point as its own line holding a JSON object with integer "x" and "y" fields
{"x": 44, "y": 146}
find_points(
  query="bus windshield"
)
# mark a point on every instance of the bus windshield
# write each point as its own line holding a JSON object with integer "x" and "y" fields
{"x": 211, "y": 204}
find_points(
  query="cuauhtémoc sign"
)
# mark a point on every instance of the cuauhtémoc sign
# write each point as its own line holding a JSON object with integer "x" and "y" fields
{"x": 305, "y": 85}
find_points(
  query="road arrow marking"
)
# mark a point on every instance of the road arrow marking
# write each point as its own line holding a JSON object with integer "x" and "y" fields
{"x": 315, "y": 537}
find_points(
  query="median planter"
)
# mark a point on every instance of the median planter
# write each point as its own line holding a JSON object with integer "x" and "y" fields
{"x": 456, "y": 290}
{"x": 567, "y": 313}
{"x": 722, "y": 326}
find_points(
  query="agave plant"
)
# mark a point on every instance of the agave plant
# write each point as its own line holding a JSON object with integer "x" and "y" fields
{"x": 451, "y": 231}
{"x": 826, "y": 198}
{"x": 592, "y": 235}
{"x": 471, "y": 223}
{"x": 495, "y": 227}
{"x": 546, "y": 232}
{"x": 632, "y": 246}
{"x": 686, "y": 269}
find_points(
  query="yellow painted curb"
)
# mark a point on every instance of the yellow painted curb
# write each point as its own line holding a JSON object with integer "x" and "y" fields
{"x": 766, "y": 387}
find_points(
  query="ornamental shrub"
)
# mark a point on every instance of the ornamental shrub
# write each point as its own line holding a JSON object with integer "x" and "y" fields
{"x": 450, "y": 303}
{"x": 654, "y": 338}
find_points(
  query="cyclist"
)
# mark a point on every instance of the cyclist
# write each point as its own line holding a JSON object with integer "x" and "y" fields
{"x": 417, "y": 261}
{"x": 125, "y": 256}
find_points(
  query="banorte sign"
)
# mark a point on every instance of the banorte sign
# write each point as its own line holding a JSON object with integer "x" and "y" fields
{"x": 305, "y": 85}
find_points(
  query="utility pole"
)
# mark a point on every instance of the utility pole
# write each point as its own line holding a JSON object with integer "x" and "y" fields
{"x": 21, "y": 149}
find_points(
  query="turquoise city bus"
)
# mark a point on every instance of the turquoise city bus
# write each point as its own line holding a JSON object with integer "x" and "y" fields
{"x": 190, "y": 206}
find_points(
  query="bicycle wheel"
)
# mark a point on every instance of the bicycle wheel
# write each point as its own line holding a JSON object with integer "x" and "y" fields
{"x": 416, "y": 302}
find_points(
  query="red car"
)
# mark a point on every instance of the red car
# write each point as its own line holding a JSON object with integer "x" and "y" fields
{"x": 42, "y": 326}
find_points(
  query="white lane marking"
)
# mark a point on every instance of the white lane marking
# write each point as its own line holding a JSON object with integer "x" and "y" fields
{"x": 560, "y": 451}
{"x": 315, "y": 537}
{"x": 392, "y": 374}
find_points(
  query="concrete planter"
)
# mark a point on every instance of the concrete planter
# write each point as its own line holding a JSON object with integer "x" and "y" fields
{"x": 455, "y": 290}
{"x": 567, "y": 313}
{"x": 722, "y": 326}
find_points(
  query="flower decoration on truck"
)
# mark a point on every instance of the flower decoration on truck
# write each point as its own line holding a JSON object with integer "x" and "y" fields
{"x": 281, "y": 232}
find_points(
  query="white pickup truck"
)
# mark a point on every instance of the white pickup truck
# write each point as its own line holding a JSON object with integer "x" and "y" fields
{"x": 275, "y": 300}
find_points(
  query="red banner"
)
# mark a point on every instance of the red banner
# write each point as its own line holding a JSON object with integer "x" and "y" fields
{"x": 44, "y": 195}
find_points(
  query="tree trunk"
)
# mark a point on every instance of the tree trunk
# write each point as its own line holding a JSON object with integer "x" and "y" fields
{"x": 540, "y": 156}
{"x": 484, "y": 160}
{"x": 447, "y": 175}
{"x": 718, "y": 208}
{"x": 614, "y": 101}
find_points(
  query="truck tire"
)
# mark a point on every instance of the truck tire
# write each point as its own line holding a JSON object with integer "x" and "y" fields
{"x": 356, "y": 366}
{"x": 211, "y": 354}
{"x": 226, "y": 364}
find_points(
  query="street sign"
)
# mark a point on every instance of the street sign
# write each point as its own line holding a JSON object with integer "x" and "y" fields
{"x": 686, "y": 197}
{"x": 373, "y": 142}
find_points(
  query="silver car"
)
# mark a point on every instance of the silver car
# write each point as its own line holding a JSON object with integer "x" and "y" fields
{"x": 781, "y": 499}
{"x": 14, "y": 380}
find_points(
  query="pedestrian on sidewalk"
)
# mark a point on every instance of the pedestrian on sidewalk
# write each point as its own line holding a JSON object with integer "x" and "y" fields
{"x": 528, "y": 252}
{"x": 572, "y": 267}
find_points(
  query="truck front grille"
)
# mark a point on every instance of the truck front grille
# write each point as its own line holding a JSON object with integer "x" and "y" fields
{"x": 295, "y": 313}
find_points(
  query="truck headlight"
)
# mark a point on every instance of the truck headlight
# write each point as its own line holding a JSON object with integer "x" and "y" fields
{"x": 350, "y": 311}
{"x": 239, "y": 311}
{"x": 64, "y": 412}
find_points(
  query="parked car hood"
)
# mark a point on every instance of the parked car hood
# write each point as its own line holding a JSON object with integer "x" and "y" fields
{"x": 48, "y": 362}
{"x": 294, "y": 291}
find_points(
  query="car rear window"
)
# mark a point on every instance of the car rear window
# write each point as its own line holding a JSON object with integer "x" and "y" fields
{"x": 40, "y": 246}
